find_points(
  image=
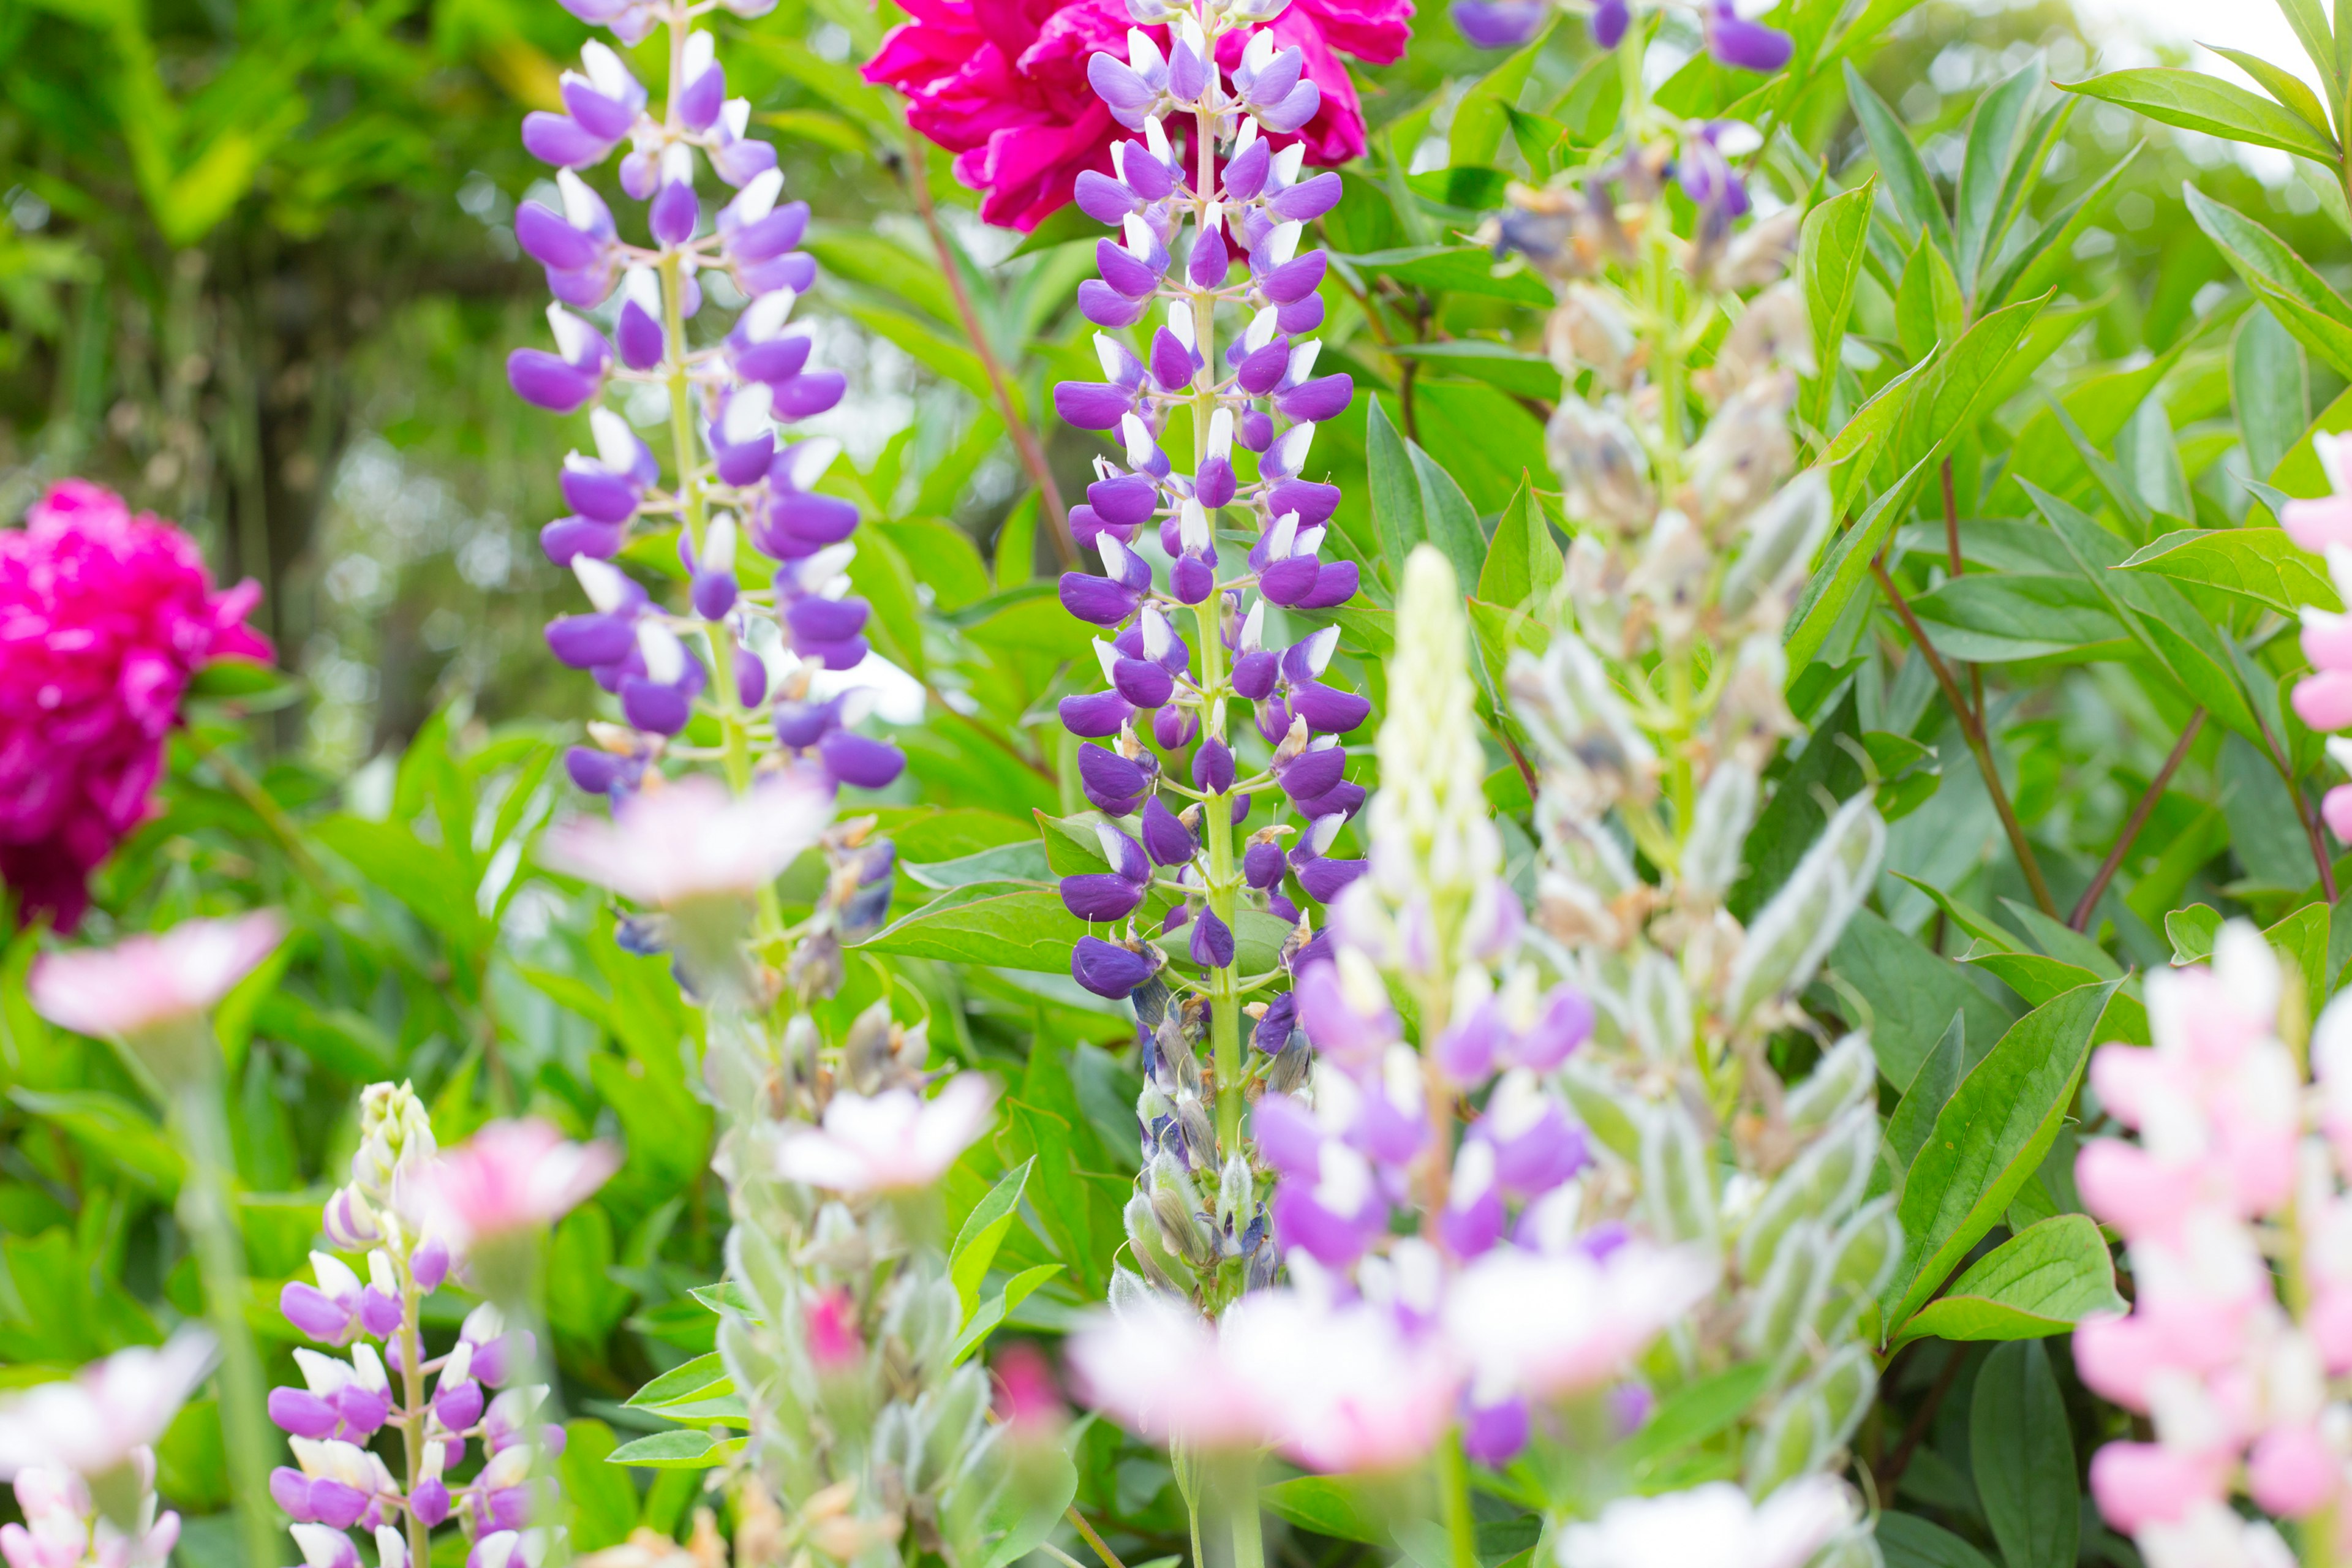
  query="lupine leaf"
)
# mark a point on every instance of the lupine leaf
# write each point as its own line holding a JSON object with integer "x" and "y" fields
{"x": 2041, "y": 1281}
{"x": 1988, "y": 1138}
{"x": 1006, "y": 924}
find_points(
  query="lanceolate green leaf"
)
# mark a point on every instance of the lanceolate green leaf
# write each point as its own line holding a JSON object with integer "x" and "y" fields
{"x": 2023, "y": 1458}
{"x": 1985, "y": 164}
{"x": 2040, "y": 262}
{"x": 982, "y": 1233}
{"x": 1907, "y": 181}
{"x": 1848, "y": 563}
{"x": 2299, "y": 298}
{"x": 2195, "y": 101}
{"x": 1523, "y": 561}
{"x": 2039, "y": 1282}
{"x": 2258, "y": 564}
{"x": 1829, "y": 253}
{"x": 1987, "y": 1139}
{"x": 2292, "y": 91}
{"x": 1395, "y": 490}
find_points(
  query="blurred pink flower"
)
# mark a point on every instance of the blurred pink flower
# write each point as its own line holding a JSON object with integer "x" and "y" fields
{"x": 888, "y": 1141}
{"x": 61, "y": 1532}
{"x": 104, "y": 617}
{"x": 97, "y": 1421}
{"x": 1336, "y": 1388}
{"x": 1003, "y": 85}
{"x": 1547, "y": 1326}
{"x": 145, "y": 980}
{"x": 694, "y": 839}
{"x": 512, "y": 1176}
{"x": 1712, "y": 1526}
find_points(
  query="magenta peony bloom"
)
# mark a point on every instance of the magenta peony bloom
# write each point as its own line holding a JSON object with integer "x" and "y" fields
{"x": 1003, "y": 85}
{"x": 104, "y": 617}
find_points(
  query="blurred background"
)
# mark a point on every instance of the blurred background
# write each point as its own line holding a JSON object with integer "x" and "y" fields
{"x": 256, "y": 272}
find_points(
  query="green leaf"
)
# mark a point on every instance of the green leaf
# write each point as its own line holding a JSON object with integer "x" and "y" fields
{"x": 1911, "y": 993}
{"x": 2291, "y": 91}
{"x": 1988, "y": 617}
{"x": 1027, "y": 1513}
{"x": 2299, "y": 298}
{"x": 2042, "y": 261}
{"x": 688, "y": 1449}
{"x": 1927, "y": 305}
{"x": 702, "y": 1378}
{"x": 1397, "y": 519}
{"x": 2022, "y": 1457}
{"x": 2041, "y": 1281}
{"x": 983, "y": 1232}
{"x": 1985, "y": 164}
{"x": 1450, "y": 269}
{"x": 1480, "y": 117}
{"x": 1346, "y": 1508}
{"x": 1908, "y": 182}
{"x": 2258, "y": 564}
{"x": 600, "y": 1504}
{"x": 1906, "y": 1541}
{"x": 2270, "y": 388}
{"x": 113, "y": 1129}
{"x": 1447, "y": 512}
{"x": 1697, "y": 1411}
{"x": 2195, "y": 101}
{"x": 1523, "y": 560}
{"x": 984, "y": 1322}
{"x": 1988, "y": 1138}
{"x": 1498, "y": 364}
{"x": 2192, "y": 932}
{"x": 1924, "y": 1101}
{"x": 1010, "y": 925}
{"x": 1847, "y": 565}
{"x": 2310, "y": 25}
{"x": 1968, "y": 381}
{"x": 1830, "y": 251}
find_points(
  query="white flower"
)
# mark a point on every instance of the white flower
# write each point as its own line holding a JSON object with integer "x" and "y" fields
{"x": 889, "y": 1140}
{"x": 692, "y": 839}
{"x": 94, "y": 1423}
{"x": 1712, "y": 1526}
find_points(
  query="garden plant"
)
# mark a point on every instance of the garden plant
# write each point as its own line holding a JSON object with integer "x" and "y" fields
{"x": 1173, "y": 783}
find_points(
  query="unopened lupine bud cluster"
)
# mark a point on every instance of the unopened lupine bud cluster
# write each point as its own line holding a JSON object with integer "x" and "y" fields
{"x": 766, "y": 613}
{"x": 466, "y": 1418}
{"x": 2233, "y": 1205}
{"x": 868, "y": 1421}
{"x": 1208, "y": 710}
{"x": 1651, "y": 719}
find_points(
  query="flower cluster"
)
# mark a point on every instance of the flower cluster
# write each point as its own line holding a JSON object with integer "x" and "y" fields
{"x": 98, "y": 1428}
{"x": 761, "y": 646}
{"x": 63, "y": 1529}
{"x": 846, "y": 1344}
{"x": 403, "y": 1207}
{"x": 1652, "y": 716}
{"x": 105, "y": 617}
{"x": 2240, "y": 1165}
{"x": 1734, "y": 37}
{"x": 2322, "y": 699}
{"x": 1012, "y": 91}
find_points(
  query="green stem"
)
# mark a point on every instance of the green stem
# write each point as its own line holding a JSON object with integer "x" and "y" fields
{"x": 1238, "y": 1505}
{"x": 1217, "y": 833}
{"x": 410, "y": 1352}
{"x": 1454, "y": 1492}
{"x": 204, "y": 1209}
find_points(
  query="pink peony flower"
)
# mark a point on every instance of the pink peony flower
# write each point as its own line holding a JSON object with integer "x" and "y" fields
{"x": 146, "y": 981}
{"x": 512, "y": 1176}
{"x": 98, "y": 1420}
{"x": 1003, "y": 85}
{"x": 104, "y": 617}
{"x": 888, "y": 1142}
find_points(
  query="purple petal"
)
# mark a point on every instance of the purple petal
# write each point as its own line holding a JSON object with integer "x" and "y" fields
{"x": 764, "y": 239}
{"x": 1307, "y": 200}
{"x": 1262, "y": 865}
{"x": 1092, "y": 404}
{"x": 559, "y": 139}
{"x": 639, "y": 336}
{"x": 1213, "y": 941}
{"x": 1107, "y": 969}
{"x": 1106, "y": 307}
{"x": 1213, "y": 767}
{"x": 1745, "y": 45}
{"x": 1324, "y": 397}
{"x": 1165, "y": 837}
{"x": 303, "y": 1413}
{"x": 547, "y": 239}
{"x": 860, "y": 759}
{"x": 1095, "y": 716}
{"x": 1329, "y": 711}
{"x": 1325, "y": 879}
{"x": 807, "y": 395}
{"x": 674, "y": 212}
{"x": 1104, "y": 199}
{"x": 1507, "y": 24}
{"x": 546, "y": 381}
{"x": 1101, "y": 896}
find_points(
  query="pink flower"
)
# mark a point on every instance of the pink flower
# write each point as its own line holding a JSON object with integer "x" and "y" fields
{"x": 96, "y": 1422}
{"x": 1336, "y": 1388}
{"x": 512, "y": 1176}
{"x": 1547, "y": 1326}
{"x": 144, "y": 982}
{"x": 888, "y": 1141}
{"x": 104, "y": 617}
{"x": 693, "y": 840}
{"x": 1003, "y": 85}
{"x": 2139, "y": 1484}
{"x": 1712, "y": 1526}
{"x": 60, "y": 1530}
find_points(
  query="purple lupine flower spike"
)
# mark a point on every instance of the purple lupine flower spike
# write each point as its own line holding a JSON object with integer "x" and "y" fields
{"x": 711, "y": 648}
